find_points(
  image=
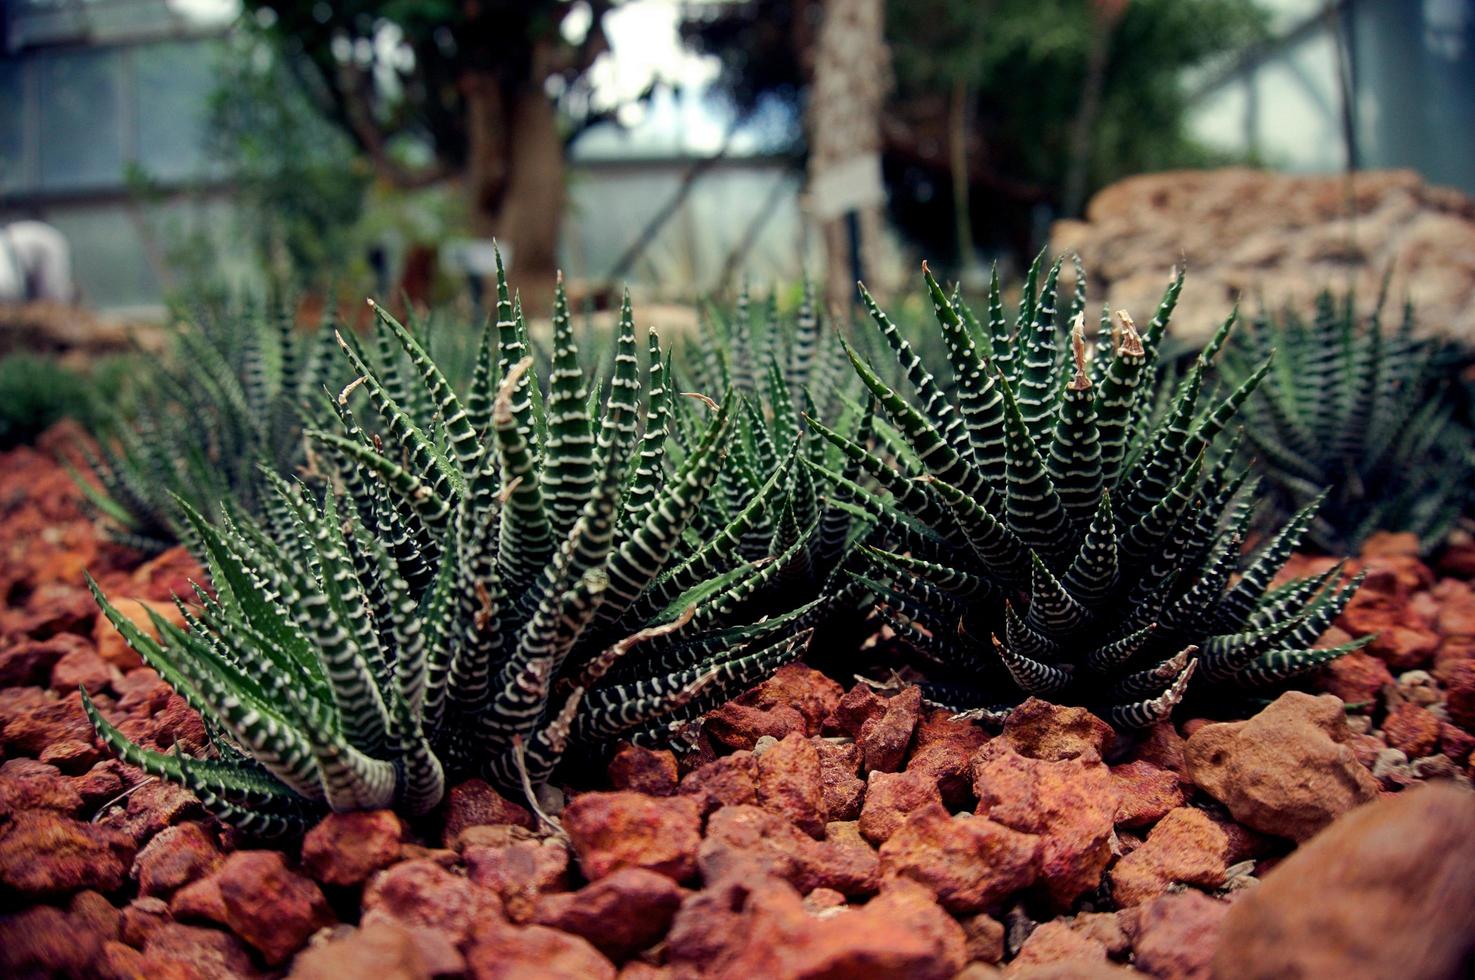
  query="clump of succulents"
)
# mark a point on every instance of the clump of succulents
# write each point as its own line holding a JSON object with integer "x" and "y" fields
{"x": 1360, "y": 412}
{"x": 513, "y": 580}
{"x": 1052, "y": 523}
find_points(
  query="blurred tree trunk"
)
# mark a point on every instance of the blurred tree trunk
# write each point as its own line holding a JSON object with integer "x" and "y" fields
{"x": 850, "y": 79}
{"x": 1105, "y": 15}
{"x": 515, "y": 180}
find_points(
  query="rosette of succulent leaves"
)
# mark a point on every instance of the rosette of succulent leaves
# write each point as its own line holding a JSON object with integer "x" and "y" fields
{"x": 224, "y": 400}
{"x": 1366, "y": 412}
{"x": 782, "y": 369}
{"x": 1049, "y": 524}
{"x": 513, "y": 579}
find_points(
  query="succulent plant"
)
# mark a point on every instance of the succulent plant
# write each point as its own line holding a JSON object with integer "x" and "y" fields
{"x": 1055, "y": 525}
{"x": 513, "y": 580}
{"x": 1361, "y": 413}
{"x": 221, "y": 401}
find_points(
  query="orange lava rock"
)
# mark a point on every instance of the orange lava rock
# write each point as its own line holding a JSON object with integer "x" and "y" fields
{"x": 748, "y": 842}
{"x": 1287, "y": 771}
{"x": 175, "y": 857}
{"x": 1147, "y": 793}
{"x": 802, "y": 688}
{"x": 475, "y": 803}
{"x": 504, "y": 952}
{"x": 728, "y": 781}
{"x": 649, "y": 771}
{"x": 970, "y": 863}
{"x": 47, "y": 855}
{"x": 620, "y": 914}
{"x": 1070, "y": 803}
{"x": 610, "y": 831}
{"x": 1041, "y": 730}
{"x": 1412, "y": 729}
{"x": 1175, "y": 935}
{"x": 1459, "y": 694}
{"x": 1056, "y": 943}
{"x": 28, "y": 784}
{"x": 111, "y": 646}
{"x": 386, "y": 950}
{"x": 270, "y": 907}
{"x": 858, "y": 705}
{"x": 1186, "y": 847}
{"x": 839, "y": 768}
{"x": 31, "y": 661}
{"x": 1358, "y": 678}
{"x": 422, "y": 894}
{"x": 884, "y": 737}
{"x": 346, "y": 848}
{"x": 519, "y": 872}
{"x": 789, "y": 783}
{"x": 739, "y": 726}
{"x": 890, "y": 798}
{"x": 1405, "y": 647}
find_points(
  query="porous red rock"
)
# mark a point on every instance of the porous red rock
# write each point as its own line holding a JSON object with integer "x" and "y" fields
{"x": 84, "y": 668}
{"x": 167, "y": 574}
{"x": 1456, "y": 608}
{"x": 1405, "y": 647}
{"x": 1459, "y": 694}
{"x": 139, "y": 919}
{"x": 1174, "y": 936}
{"x": 735, "y": 725}
{"x": 1357, "y": 678}
{"x": 728, "y": 781}
{"x": 1386, "y": 891}
{"x": 748, "y": 842}
{"x": 269, "y": 906}
{"x": 642, "y": 770}
{"x": 1287, "y": 771}
{"x": 1147, "y": 793}
{"x": 387, "y": 951}
{"x": 505, "y": 952}
{"x": 1055, "y": 943}
{"x": 199, "y": 901}
{"x": 884, "y": 737}
{"x": 28, "y": 662}
{"x": 43, "y": 722}
{"x": 985, "y": 938}
{"x": 856, "y": 707}
{"x": 422, "y": 894}
{"x": 152, "y": 807}
{"x": 519, "y": 871}
{"x": 46, "y": 855}
{"x": 943, "y": 751}
{"x": 802, "y": 688}
{"x": 617, "y": 830}
{"x": 1051, "y": 732}
{"x": 1185, "y": 847}
{"x": 180, "y": 951}
{"x": 789, "y": 783}
{"x": 346, "y": 848}
{"x": 890, "y": 798}
{"x": 28, "y": 784}
{"x": 474, "y": 803}
{"x": 1412, "y": 729}
{"x": 843, "y": 789}
{"x": 765, "y": 931}
{"x": 970, "y": 863}
{"x": 620, "y": 914}
{"x": 45, "y": 941}
{"x": 1070, "y": 803}
{"x": 175, "y": 857}
{"x": 110, "y": 644}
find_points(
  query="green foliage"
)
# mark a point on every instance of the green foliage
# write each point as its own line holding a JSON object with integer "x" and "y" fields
{"x": 482, "y": 586}
{"x": 1060, "y": 525}
{"x": 1361, "y": 413}
{"x": 36, "y": 392}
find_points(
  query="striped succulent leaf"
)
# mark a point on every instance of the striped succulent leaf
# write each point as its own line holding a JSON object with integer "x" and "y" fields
{"x": 1051, "y": 520}
{"x": 484, "y": 586}
{"x": 1363, "y": 411}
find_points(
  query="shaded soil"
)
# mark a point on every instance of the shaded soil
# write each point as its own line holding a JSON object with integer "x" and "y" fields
{"x": 815, "y": 831}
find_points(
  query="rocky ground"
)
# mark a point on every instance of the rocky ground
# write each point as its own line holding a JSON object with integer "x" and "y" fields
{"x": 817, "y": 832}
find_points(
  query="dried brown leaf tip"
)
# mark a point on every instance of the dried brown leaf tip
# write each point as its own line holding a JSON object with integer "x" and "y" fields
{"x": 1082, "y": 381}
{"x": 1128, "y": 341}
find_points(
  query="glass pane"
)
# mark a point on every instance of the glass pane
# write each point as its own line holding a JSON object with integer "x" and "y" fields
{"x": 81, "y": 134}
{"x": 12, "y": 126}
{"x": 173, "y": 85}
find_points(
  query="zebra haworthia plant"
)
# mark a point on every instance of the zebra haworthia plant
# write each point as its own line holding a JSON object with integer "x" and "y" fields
{"x": 509, "y": 580}
{"x": 1361, "y": 411}
{"x": 1053, "y": 525}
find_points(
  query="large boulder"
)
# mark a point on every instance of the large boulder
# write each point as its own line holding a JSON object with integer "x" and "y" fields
{"x": 1386, "y": 891}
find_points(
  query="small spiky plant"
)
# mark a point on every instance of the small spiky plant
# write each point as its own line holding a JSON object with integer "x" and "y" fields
{"x": 221, "y": 401}
{"x": 1056, "y": 528}
{"x": 515, "y": 581}
{"x": 1360, "y": 413}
